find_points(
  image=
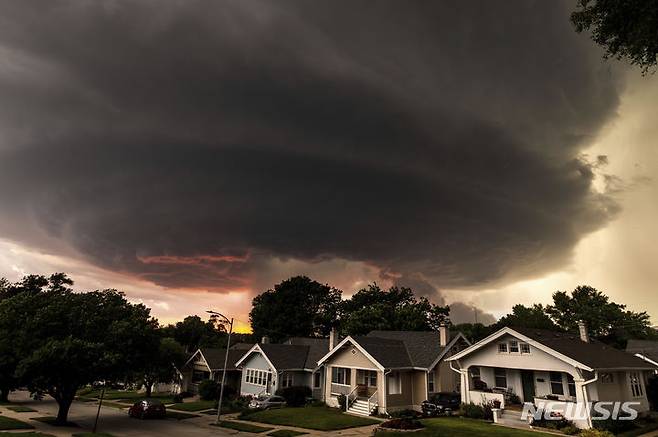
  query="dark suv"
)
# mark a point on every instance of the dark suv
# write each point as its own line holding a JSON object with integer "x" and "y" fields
{"x": 441, "y": 403}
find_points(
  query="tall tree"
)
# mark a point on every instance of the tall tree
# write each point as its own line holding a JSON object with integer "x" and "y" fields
{"x": 624, "y": 28}
{"x": 193, "y": 333}
{"x": 297, "y": 306}
{"x": 160, "y": 362}
{"x": 607, "y": 321}
{"x": 527, "y": 317}
{"x": 396, "y": 309}
{"x": 64, "y": 340}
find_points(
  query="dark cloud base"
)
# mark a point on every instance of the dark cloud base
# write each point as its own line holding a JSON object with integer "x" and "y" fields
{"x": 420, "y": 137}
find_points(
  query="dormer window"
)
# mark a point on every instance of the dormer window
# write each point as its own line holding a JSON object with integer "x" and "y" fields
{"x": 502, "y": 348}
{"x": 513, "y": 347}
{"x": 525, "y": 348}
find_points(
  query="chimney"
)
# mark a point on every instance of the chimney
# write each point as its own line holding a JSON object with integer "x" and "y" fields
{"x": 265, "y": 339}
{"x": 332, "y": 338}
{"x": 582, "y": 329}
{"x": 444, "y": 335}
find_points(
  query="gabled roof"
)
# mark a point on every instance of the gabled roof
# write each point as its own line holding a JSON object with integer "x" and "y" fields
{"x": 215, "y": 358}
{"x": 592, "y": 355}
{"x": 297, "y": 354}
{"x": 399, "y": 349}
{"x": 648, "y": 349}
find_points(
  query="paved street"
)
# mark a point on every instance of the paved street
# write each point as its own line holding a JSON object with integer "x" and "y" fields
{"x": 116, "y": 422}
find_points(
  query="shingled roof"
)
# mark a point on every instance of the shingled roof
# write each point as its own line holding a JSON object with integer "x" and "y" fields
{"x": 647, "y": 348}
{"x": 297, "y": 353}
{"x": 215, "y": 358}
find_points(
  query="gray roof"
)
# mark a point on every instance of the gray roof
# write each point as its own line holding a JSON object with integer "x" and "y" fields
{"x": 594, "y": 354}
{"x": 215, "y": 358}
{"x": 648, "y": 348}
{"x": 296, "y": 353}
{"x": 423, "y": 347}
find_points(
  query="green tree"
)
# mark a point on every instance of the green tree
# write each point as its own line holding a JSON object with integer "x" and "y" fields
{"x": 474, "y": 332}
{"x": 607, "y": 321}
{"x": 624, "y": 28}
{"x": 64, "y": 340}
{"x": 396, "y": 309}
{"x": 527, "y": 317}
{"x": 193, "y": 333}
{"x": 297, "y": 306}
{"x": 160, "y": 362}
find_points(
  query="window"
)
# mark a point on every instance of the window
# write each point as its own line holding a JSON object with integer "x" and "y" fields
{"x": 556, "y": 383}
{"x": 636, "y": 384}
{"x": 341, "y": 375}
{"x": 525, "y": 348}
{"x": 571, "y": 385}
{"x": 500, "y": 375}
{"x": 502, "y": 348}
{"x": 286, "y": 380}
{"x": 393, "y": 383}
{"x": 257, "y": 377}
{"x": 514, "y": 347}
{"x": 607, "y": 378}
{"x": 475, "y": 375}
{"x": 430, "y": 382}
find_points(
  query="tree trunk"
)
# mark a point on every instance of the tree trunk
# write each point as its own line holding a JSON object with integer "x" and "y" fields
{"x": 4, "y": 394}
{"x": 148, "y": 387}
{"x": 64, "y": 401}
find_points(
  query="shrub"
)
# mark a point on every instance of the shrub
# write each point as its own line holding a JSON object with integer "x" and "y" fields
{"x": 402, "y": 423}
{"x": 614, "y": 426}
{"x": 342, "y": 401}
{"x": 209, "y": 390}
{"x": 295, "y": 396}
{"x": 595, "y": 433}
{"x": 570, "y": 430}
{"x": 472, "y": 411}
{"x": 405, "y": 414}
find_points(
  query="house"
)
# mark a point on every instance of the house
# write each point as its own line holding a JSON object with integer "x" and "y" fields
{"x": 266, "y": 367}
{"x": 644, "y": 349}
{"x": 208, "y": 363}
{"x": 390, "y": 370}
{"x": 516, "y": 365}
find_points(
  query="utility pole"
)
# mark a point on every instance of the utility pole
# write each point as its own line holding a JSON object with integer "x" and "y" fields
{"x": 228, "y": 345}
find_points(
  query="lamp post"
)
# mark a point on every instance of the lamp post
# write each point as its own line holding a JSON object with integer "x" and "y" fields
{"x": 228, "y": 345}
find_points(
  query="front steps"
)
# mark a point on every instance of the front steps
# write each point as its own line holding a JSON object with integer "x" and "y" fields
{"x": 360, "y": 408}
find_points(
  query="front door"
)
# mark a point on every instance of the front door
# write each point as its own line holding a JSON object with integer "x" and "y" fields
{"x": 528, "y": 381}
{"x": 366, "y": 380}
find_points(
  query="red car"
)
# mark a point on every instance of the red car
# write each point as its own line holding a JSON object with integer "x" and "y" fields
{"x": 148, "y": 409}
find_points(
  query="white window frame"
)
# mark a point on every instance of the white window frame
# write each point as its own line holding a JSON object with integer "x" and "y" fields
{"x": 502, "y": 348}
{"x": 524, "y": 346}
{"x": 500, "y": 372}
{"x": 394, "y": 383}
{"x": 345, "y": 371}
{"x": 635, "y": 383}
{"x": 287, "y": 380}
{"x": 317, "y": 383}
{"x": 552, "y": 381}
{"x": 257, "y": 377}
{"x": 513, "y": 344}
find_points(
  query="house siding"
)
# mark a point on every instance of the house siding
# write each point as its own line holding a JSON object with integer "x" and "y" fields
{"x": 258, "y": 362}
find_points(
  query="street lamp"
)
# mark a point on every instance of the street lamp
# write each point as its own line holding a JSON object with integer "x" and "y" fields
{"x": 228, "y": 345}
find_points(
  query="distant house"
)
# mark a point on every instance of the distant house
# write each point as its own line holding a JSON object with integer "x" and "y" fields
{"x": 208, "y": 363}
{"x": 390, "y": 370}
{"x": 644, "y": 349}
{"x": 532, "y": 365}
{"x": 267, "y": 367}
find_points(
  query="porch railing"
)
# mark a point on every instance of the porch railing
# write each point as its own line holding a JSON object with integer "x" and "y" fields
{"x": 372, "y": 403}
{"x": 351, "y": 397}
{"x": 340, "y": 389}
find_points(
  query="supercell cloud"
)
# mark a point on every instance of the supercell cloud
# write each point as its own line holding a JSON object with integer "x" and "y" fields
{"x": 190, "y": 143}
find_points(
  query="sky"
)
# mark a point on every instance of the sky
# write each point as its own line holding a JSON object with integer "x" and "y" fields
{"x": 195, "y": 153}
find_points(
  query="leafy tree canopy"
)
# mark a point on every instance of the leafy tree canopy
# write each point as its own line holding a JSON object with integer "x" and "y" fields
{"x": 396, "y": 309}
{"x": 534, "y": 316}
{"x": 297, "y": 306}
{"x": 193, "y": 333}
{"x": 624, "y": 28}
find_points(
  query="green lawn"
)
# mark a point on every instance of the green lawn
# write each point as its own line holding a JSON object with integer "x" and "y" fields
{"x": 9, "y": 423}
{"x": 244, "y": 427}
{"x": 461, "y": 427}
{"x": 286, "y": 433}
{"x": 128, "y": 395}
{"x": 318, "y": 418}
{"x": 193, "y": 406}
{"x": 22, "y": 409}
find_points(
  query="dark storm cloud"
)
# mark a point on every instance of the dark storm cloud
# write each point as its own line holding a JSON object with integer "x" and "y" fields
{"x": 426, "y": 137}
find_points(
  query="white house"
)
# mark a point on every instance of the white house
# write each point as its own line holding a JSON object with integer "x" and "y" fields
{"x": 538, "y": 366}
{"x": 267, "y": 367}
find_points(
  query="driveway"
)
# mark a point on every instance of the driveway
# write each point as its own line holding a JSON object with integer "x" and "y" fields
{"x": 112, "y": 420}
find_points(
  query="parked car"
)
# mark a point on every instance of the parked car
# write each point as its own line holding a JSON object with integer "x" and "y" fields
{"x": 441, "y": 403}
{"x": 267, "y": 402}
{"x": 148, "y": 409}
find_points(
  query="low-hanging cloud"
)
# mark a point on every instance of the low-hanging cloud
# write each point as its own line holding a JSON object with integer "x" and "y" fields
{"x": 189, "y": 143}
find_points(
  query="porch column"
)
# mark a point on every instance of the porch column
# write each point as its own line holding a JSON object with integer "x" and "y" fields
{"x": 582, "y": 401}
{"x": 466, "y": 386}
